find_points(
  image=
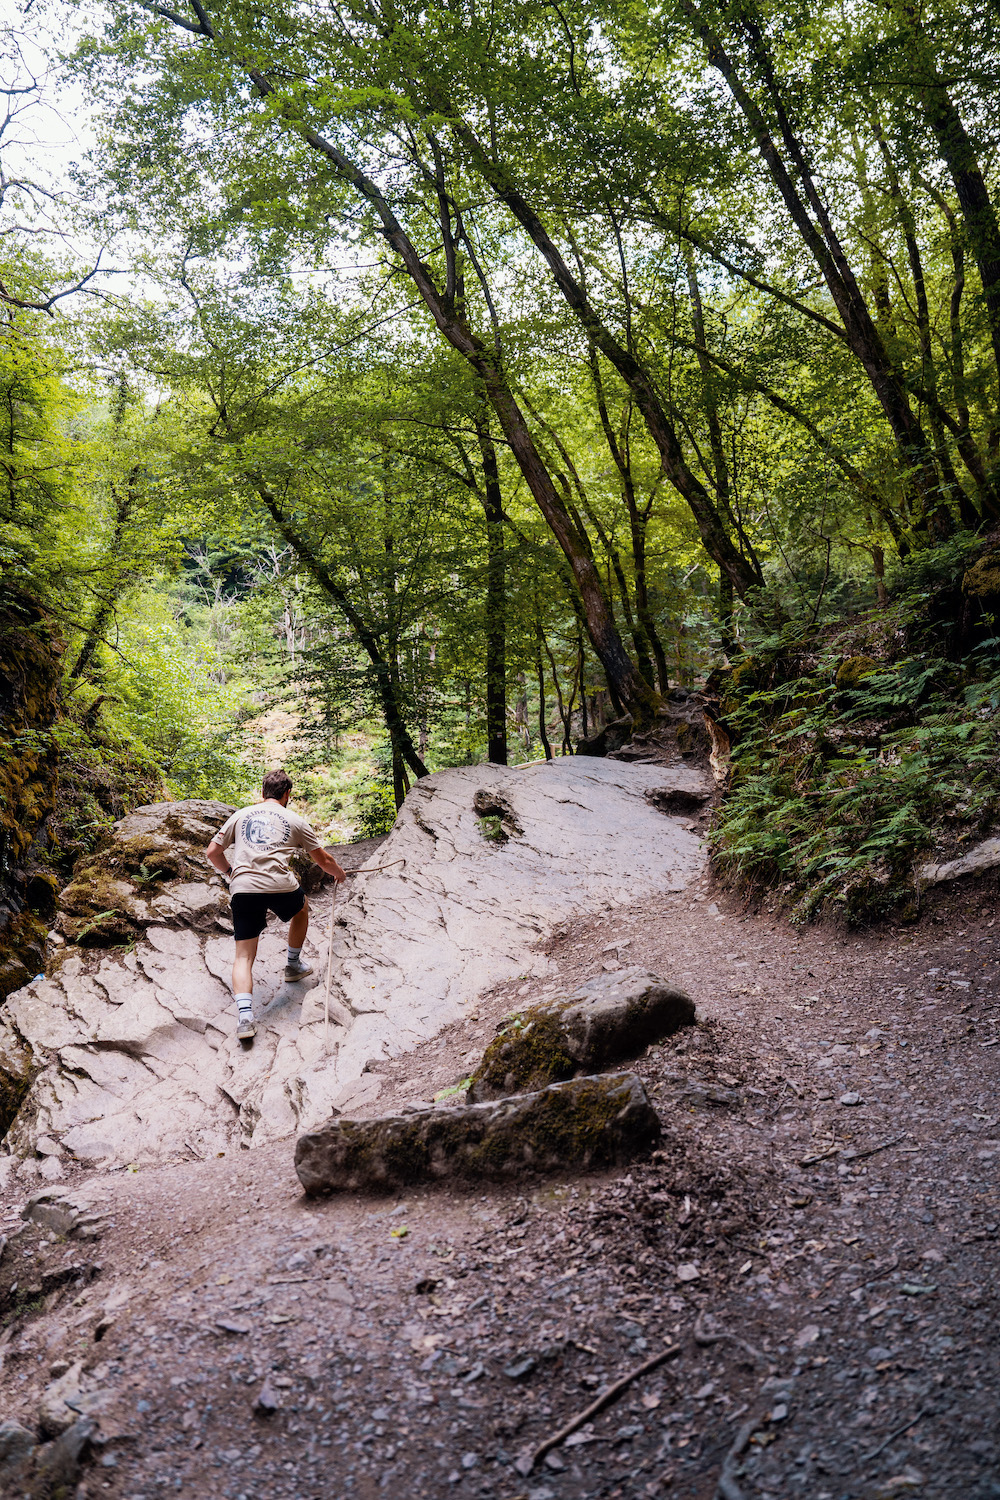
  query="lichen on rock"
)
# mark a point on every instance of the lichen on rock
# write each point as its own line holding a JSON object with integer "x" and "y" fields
{"x": 604, "y": 1022}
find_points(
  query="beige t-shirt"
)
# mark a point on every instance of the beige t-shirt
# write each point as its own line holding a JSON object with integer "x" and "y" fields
{"x": 260, "y": 841}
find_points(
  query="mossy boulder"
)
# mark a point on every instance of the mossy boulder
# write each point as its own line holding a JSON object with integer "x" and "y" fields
{"x": 583, "y": 1125}
{"x": 982, "y": 580}
{"x": 150, "y": 869}
{"x": 603, "y": 1023}
{"x": 852, "y": 672}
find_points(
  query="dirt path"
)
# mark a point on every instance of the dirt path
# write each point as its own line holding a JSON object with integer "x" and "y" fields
{"x": 826, "y": 1269}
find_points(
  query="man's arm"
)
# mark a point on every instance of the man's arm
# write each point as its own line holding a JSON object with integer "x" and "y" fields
{"x": 327, "y": 862}
{"x": 216, "y": 856}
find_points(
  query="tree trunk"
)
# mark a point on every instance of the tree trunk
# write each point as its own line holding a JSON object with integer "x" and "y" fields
{"x": 496, "y": 600}
{"x": 387, "y": 684}
{"x": 811, "y": 218}
{"x": 124, "y": 505}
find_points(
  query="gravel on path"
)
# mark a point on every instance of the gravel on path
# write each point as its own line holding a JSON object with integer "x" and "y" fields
{"x": 817, "y": 1233}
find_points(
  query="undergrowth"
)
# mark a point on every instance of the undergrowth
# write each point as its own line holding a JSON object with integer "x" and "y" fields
{"x": 860, "y": 750}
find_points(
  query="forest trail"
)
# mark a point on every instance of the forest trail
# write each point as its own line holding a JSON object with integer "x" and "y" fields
{"x": 238, "y": 1340}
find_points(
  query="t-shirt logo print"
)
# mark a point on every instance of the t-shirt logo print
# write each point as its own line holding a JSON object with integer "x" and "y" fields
{"x": 265, "y": 830}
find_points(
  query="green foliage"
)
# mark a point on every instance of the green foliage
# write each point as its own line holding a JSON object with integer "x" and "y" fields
{"x": 841, "y": 782}
{"x": 376, "y": 811}
{"x": 492, "y": 830}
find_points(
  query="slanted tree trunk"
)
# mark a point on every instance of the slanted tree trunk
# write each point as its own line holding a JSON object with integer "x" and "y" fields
{"x": 809, "y": 213}
{"x": 387, "y": 685}
{"x": 124, "y": 500}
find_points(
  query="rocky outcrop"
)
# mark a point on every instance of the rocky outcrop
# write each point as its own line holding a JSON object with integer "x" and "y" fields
{"x": 603, "y": 1023}
{"x": 72, "y": 1214}
{"x": 129, "y": 1050}
{"x": 578, "y": 1126}
{"x": 149, "y": 870}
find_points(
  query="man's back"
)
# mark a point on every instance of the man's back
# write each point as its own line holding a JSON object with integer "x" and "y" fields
{"x": 259, "y": 841}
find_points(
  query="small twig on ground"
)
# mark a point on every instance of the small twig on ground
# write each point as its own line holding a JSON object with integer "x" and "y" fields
{"x": 880, "y": 1275}
{"x": 810, "y": 1161}
{"x": 727, "y": 1488}
{"x": 528, "y": 1460}
{"x": 894, "y": 1140}
{"x": 868, "y": 1457}
{"x": 704, "y": 1336}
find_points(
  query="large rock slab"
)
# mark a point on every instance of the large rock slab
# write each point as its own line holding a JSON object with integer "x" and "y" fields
{"x": 585, "y": 1124}
{"x": 604, "y": 1022}
{"x": 127, "y": 1052}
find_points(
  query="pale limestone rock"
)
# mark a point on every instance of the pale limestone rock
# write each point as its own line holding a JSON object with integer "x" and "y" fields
{"x": 75, "y": 1213}
{"x": 985, "y": 856}
{"x": 133, "y": 1052}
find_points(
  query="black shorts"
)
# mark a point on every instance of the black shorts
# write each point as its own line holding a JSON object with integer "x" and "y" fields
{"x": 250, "y": 909}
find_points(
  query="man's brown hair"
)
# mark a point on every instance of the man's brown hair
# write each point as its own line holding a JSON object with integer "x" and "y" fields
{"x": 276, "y": 784}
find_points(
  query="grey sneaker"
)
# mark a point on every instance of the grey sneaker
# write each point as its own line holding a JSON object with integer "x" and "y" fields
{"x": 246, "y": 1030}
{"x": 297, "y": 971}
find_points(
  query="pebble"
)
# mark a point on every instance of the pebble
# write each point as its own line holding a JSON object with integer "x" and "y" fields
{"x": 267, "y": 1399}
{"x": 687, "y": 1273}
{"x": 850, "y": 1098}
{"x": 232, "y": 1325}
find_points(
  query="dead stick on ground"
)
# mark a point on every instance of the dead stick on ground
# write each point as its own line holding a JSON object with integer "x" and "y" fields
{"x": 924, "y": 1412}
{"x": 727, "y": 1488}
{"x": 527, "y": 1461}
{"x": 810, "y": 1161}
{"x": 704, "y": 1337}
{"x": 894, "y": 1140}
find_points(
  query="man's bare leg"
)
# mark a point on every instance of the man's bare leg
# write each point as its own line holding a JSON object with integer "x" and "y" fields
{"x": 246, "y": 952}
{"x": 299, "y": 926}
{"x": 297, "y": 929}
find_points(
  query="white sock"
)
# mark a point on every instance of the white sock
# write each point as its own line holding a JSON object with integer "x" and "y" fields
{"x": 293, "y": 954}
{"x": 244, "y": 1003}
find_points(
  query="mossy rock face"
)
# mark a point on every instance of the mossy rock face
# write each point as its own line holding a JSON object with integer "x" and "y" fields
{"x": 29, "y": 707}
{"x": 982, "y": 580}
{"x": 146, "y": 858}
{"x": 605, "y": 1022}
{"x": 852, "y": 672}
{"x": 584, "y": 1125}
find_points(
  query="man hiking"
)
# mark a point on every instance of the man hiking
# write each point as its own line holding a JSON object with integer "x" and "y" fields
{"x": 261, "y": 839}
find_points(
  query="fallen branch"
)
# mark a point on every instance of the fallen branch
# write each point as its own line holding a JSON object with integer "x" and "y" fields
{"x": 894, "y": 1140}
{"x": 924, "y": 1412}
{"x": 727, "y": 1488}
{"x": 528, "y": 1460}
{"x": 704, "y": 1337}
{"x": 810, "y": 1161}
